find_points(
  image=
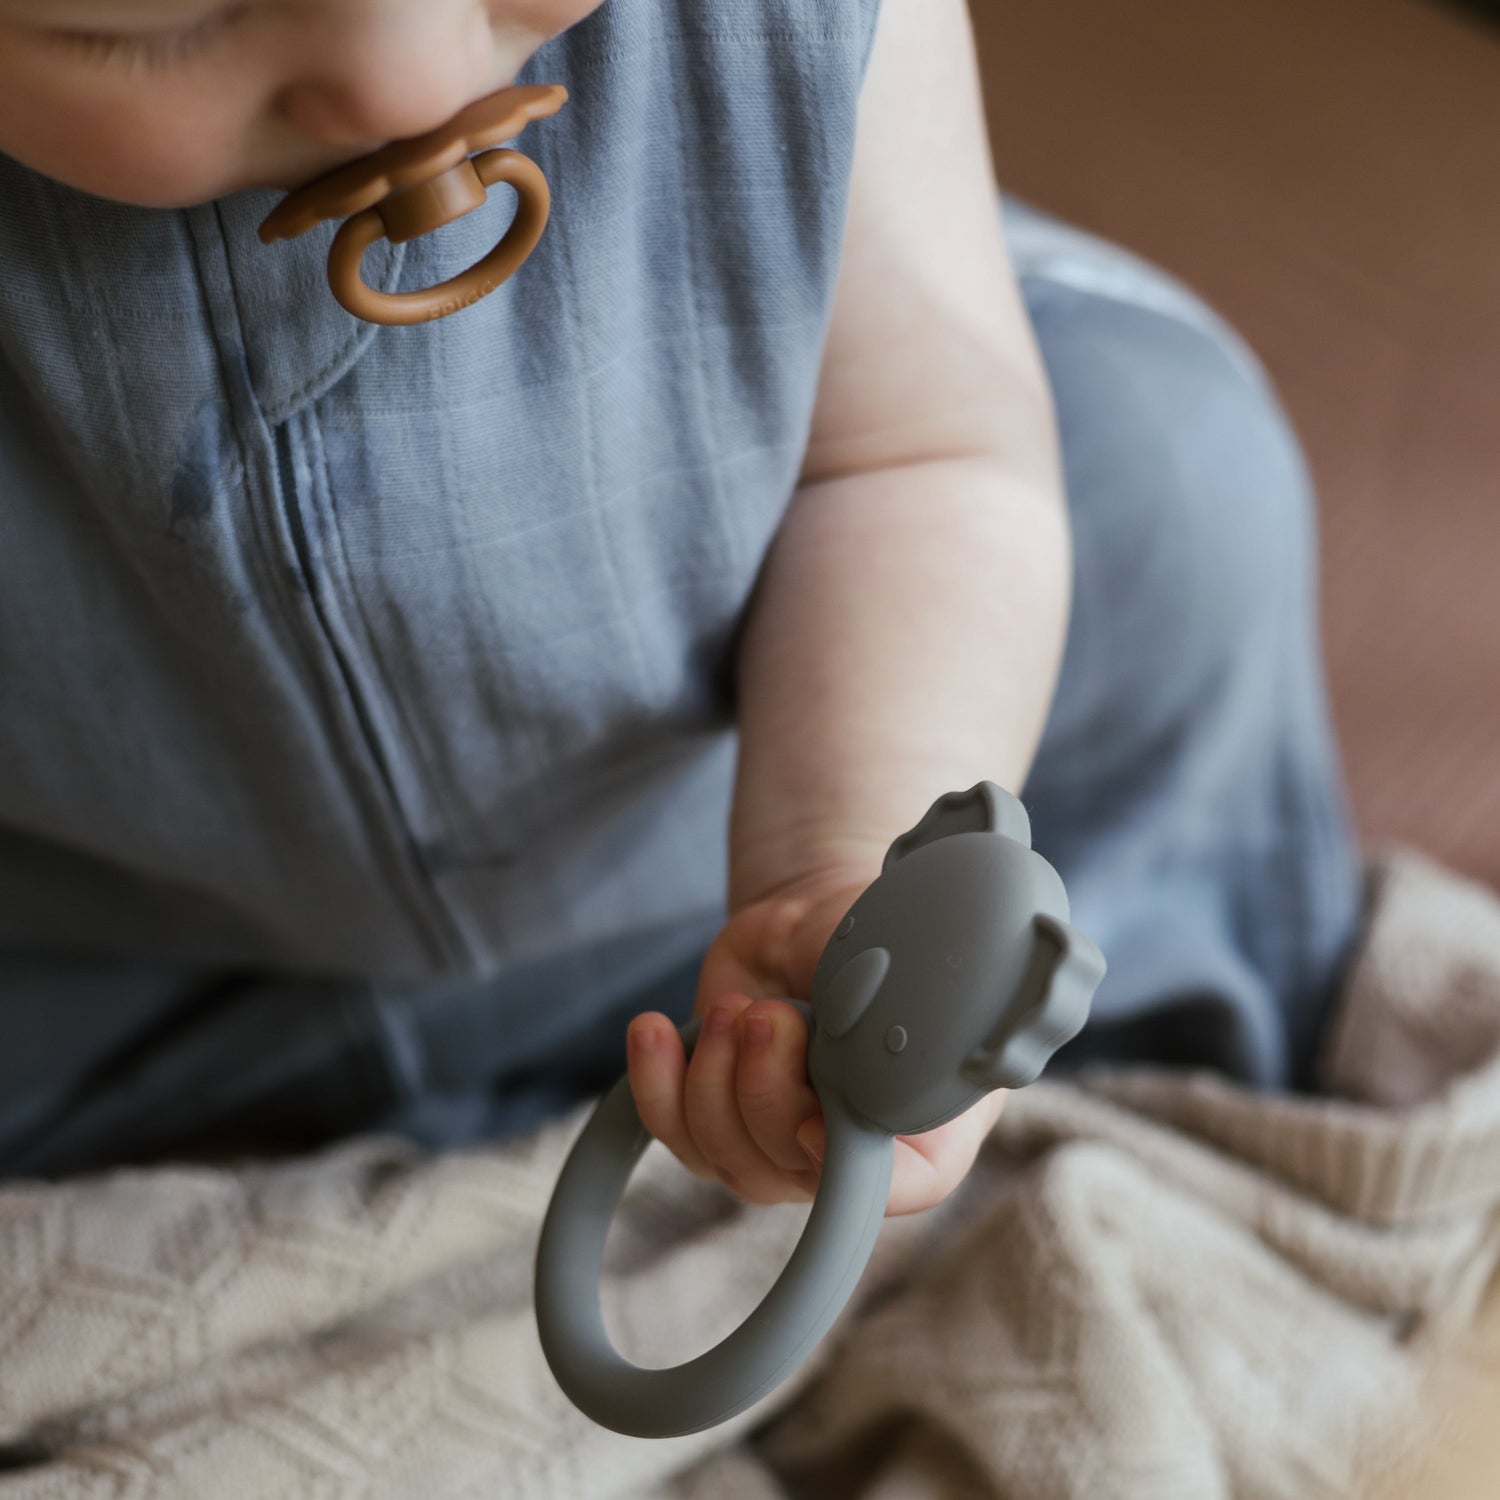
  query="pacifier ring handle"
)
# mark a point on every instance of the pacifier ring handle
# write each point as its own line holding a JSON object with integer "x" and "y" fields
{"x": 767, "y": 1347}
{"x": 414, "y": 186}
{"x": 358, "y": 233}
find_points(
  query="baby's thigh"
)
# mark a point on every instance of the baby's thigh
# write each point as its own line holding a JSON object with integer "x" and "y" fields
{"x": 1190, "y": 504}
{"x": 1187, "y": 785}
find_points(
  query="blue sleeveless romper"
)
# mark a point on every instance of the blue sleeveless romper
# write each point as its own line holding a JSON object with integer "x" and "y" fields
{"x": 366, "y": 711}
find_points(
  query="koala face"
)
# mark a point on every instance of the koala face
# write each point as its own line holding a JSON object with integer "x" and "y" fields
{"x": 953, "y": 974}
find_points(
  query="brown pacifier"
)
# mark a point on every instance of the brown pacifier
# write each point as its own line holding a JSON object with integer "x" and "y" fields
{"x": 414, "y": 186}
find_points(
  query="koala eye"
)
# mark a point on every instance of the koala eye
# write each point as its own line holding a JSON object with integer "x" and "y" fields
{"x": 851, "y": 990}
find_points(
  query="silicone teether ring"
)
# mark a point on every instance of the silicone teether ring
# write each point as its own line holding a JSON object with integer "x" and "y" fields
{"x": 768, "y": 1346}
{"x": 955, "y": 973}
{"x": 384, "y": 221}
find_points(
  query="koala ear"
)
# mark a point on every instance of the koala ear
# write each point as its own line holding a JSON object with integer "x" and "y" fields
{"x": 1048, "y": 1009}
{"x": 984, "y": 808}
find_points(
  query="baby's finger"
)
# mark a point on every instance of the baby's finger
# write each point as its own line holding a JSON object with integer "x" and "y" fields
{"x": 657, "y": 1064}
{"x": 712, "y": 1110}
{"x": 771, "y": 1082}
{"x": 928, "y": 1167}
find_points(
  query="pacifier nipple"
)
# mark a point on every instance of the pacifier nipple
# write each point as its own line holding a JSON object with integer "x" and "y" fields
{"x": 411, "y": 187}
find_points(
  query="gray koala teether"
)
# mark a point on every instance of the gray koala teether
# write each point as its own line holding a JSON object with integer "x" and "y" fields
{"x": 955, "y": 973}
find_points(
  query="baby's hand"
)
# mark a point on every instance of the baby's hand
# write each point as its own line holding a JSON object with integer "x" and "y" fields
{"x": 741, "y": 1111}
{"x": 733, "y": 1111}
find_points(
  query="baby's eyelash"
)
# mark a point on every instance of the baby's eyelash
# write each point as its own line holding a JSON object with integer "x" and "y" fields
{"x": 150, "y": 49}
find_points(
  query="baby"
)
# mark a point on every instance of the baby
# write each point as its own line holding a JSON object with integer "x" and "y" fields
{"x": 384, "y": 709}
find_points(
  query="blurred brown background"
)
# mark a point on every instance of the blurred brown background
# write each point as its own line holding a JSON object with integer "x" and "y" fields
{"x": 1326, "y": 173}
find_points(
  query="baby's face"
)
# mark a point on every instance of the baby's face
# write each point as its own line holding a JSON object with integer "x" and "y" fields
{"x": 170, "y": 102}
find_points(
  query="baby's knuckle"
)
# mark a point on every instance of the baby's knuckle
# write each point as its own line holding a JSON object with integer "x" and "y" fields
{"x": 703, "y": 1085}
{"x": 760, "y": 1098}
{"x": 650, "y": 1093}
{"x": 715, "y": 1147}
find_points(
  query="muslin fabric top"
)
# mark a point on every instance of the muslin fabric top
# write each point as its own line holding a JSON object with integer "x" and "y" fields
{"x": 405, "y": 652}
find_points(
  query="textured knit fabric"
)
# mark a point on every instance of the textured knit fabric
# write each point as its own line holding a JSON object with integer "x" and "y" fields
{"x": 1152, "y": 1286}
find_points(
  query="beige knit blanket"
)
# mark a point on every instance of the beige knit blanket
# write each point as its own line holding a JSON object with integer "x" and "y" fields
{"x": 1151, "y": 1286}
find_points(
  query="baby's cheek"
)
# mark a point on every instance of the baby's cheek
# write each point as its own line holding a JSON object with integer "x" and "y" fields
{"x": 144, "y": 156}
{"x": 132, "y": 138}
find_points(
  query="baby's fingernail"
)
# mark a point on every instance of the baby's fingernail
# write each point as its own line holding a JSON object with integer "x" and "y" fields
{"x": 644, "y": 1038}
{"x": 812, "y": 1143}
{"x": 719, "y": 1020}
{"x": 758, "y": 1033}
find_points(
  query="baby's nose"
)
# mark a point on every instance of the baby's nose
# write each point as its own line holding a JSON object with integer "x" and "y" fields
{"x": 396, "y": 73}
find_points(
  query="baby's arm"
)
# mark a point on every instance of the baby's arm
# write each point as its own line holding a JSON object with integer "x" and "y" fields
{"x": 904, "y": 638}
